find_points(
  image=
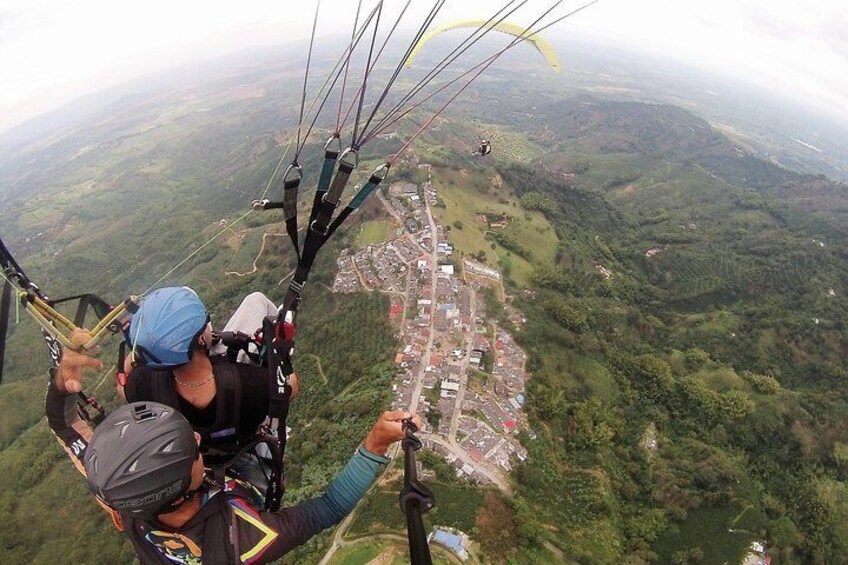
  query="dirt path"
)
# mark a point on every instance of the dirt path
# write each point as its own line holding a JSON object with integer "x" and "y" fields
{"x": 258, "y": 256}
{"x": 320, "y": 370}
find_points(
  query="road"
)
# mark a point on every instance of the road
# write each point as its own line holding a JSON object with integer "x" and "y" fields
{"x": 450, "y": 443}
{"x": 484, "y": 468}
{"x": 434, "y": 277}
{"x": 258, "y": 256}
{"x": 463, "y": 383}
{"x": 387, "y": 205}
{"x": 345, "y": 524}
{"x": 413, "y": 404}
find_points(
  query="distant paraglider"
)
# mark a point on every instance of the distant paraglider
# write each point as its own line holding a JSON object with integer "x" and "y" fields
{"x": 484, "y": 149}
{"x": 545, "y": 48}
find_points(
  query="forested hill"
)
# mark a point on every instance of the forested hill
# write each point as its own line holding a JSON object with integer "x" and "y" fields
{"x": 685, "y": 319}
{"x": 593, "y": 126}
{"x": 686, "y": 344}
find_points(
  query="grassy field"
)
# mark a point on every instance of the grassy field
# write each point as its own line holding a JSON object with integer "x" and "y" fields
{"x": 358, "y": 554}
{"x": 381, "y": 551}
{"x": 595, "y": 378}
{"x": 470, "y": 194}
{"x": 709, "y": 529}
{"x": 372, "y": 233}
{"x": 379, "y": 512}
{"x": 456, "y": 506}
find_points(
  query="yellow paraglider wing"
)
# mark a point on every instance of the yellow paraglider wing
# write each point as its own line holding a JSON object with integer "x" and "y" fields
{"x": 545, "y": 48}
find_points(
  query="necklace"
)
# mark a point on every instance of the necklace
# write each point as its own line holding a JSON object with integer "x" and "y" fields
{"x": 192, "y": 385}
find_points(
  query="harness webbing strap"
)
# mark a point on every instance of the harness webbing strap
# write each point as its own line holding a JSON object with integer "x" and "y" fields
{"x": 332, "y": 149}
{"x": 279, "y": 331}
{"x": 228, "y": 413}
{"x": 227, "y": 425}
{"x": 276, "y": 482}
{"x": 376, "y": 178}
{"x": 347, "y": 163}
{"x": 164, "y": 391}
{"x": 38, "y": 305}
{"x": 279, "y": 344}
{"x": 120, "y": 372}
{"x": 324, "y": 205}
{"x": 291, "y": 182}
{"x": 5, "y": 308}
{"x": 15, "y": 273}
{"x": 331, "y": 154}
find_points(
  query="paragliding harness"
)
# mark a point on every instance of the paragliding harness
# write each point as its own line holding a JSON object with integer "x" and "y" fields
{"x": 55, "y": 327}
{"x": 277, "y": 361}
{"x": 415, "y": 499}
{"x": 224, "y": 441}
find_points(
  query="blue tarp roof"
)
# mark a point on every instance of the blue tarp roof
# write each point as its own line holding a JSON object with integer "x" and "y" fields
{"x": 449, "y": 540}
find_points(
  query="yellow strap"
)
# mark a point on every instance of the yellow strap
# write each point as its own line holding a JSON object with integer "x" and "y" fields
{"x": 54, "y": 323}
{"x": 268, "y": 539}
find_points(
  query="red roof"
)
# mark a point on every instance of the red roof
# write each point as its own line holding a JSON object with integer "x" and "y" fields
{"x": 396, "y": 309}
{"x": 476, "y": 454}
{"x": 509, "y": 424}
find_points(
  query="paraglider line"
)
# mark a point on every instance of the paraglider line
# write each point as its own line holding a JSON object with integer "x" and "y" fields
{"x": 365, "y": 76}
{"x": 487, "y": 63}
{"x": 347, "y": 66}
{"x": 198, "y": 250}
{"x": 337, "y": 70}
{"x": 445, "y": 62}
{"x": 305, "y": 79}
{"x": 338, "y": 73}
{"x": 320, "y": 95}
{"x": 379, "y": 53}
{"x": 419, "y": 34}
{"x": 483, "y": 65}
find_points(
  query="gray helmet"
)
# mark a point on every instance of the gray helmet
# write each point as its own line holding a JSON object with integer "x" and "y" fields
{"x": 140, "y": 459}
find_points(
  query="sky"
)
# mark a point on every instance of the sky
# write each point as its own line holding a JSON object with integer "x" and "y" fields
{"x": 53, "y": 51}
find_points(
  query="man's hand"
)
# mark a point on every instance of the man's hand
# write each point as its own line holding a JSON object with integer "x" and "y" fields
{"x": 70, "y": 371}
{"x": 387, "y": 430}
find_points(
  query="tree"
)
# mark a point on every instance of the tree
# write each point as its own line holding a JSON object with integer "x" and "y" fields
{"x": 651, "y": 376}
{"x": 697, "y": 358}
{"x": 735, "y": 404}
{"x": 568, "y": 316}
{"x": 762, "y": 384}
{"x": 593, "y": 423}
{"x": 782, "y": 532}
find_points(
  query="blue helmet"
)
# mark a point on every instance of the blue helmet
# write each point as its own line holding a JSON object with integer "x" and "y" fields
{"x": 165, "y": 326}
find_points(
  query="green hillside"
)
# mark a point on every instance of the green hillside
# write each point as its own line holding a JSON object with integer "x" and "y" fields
{"x": 684, "y": 306}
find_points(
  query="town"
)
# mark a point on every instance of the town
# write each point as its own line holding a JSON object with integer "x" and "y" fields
{"x": 455, "y": 366}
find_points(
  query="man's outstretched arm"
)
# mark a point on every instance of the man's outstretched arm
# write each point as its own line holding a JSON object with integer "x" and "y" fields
{"x": 60, "y": 407}
{"x": 60, "y": 404}
{"x": 296, "y": 524}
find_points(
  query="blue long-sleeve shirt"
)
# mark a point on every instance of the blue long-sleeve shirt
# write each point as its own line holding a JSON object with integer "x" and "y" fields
{"x": 300, "y": 522}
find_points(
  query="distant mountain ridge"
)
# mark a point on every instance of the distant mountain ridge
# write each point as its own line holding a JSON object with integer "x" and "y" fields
{"x": 590, "y": 125}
